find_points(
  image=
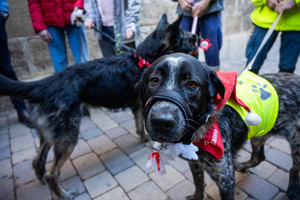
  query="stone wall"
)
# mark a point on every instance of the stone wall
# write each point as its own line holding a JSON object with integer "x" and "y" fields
{"x": 30, "y": 55}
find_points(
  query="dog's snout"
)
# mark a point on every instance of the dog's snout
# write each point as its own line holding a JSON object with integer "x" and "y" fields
{"x": 164, "y": 122}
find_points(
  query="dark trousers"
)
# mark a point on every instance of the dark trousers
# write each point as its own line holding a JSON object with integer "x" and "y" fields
{"x": 5, "y": 65}
{"x": 289, "y": 49}
{"x": 210, "y": 27}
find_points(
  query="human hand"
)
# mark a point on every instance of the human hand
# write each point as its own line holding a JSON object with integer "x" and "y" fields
{"x": 89, "y": 23}
{"x": 272, "y": 3}
{"x": 285, "y": 5}
{"x": 186, "y": 4}
{"x": 45, "y": 35}
{"x": 129, "y": 34}
{"x": 200, "y": 8}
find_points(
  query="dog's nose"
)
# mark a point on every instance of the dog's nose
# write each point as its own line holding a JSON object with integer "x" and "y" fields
{"x": 164, "y": 122}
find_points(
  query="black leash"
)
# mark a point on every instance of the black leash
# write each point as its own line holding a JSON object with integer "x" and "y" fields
{"x": 126, "y": 47}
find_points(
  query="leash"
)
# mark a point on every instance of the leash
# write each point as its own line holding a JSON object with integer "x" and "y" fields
{"x": 126, "y": 47}
{"x": 266, "y": 37}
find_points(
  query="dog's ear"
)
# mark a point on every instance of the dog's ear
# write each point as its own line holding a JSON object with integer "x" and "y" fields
{"x": 215, "y": 85}
{"x": 173, "y": 29}
{"x": 163, "y": 22}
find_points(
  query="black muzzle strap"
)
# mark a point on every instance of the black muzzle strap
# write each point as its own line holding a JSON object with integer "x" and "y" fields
{"x": 175, "y": 98}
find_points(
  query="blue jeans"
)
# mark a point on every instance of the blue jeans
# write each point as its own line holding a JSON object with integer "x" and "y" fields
{"x": 6, "y": 68}
{"x": 289, "y": 49}
{"x": 210, "y": 27}
{"x": 77, "y": 42}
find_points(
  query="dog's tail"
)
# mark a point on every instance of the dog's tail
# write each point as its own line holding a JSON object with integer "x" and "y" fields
{"x": 26, "y": 90}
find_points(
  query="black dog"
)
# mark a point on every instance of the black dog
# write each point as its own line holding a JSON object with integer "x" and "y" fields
{"x": 107, "y": 82}
{"x": 179, "y": 93}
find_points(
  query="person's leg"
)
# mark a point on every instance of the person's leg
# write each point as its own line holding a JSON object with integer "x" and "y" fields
{"x": 106, "y": 45}
{"x": 289, "y": 51}
{"x": 79, "y": 49}
{"x": 57, "y": 48}
{"x": 186, "y": 24}
{"x": 210, "y": 28}
{"x": 7, "y": 70}
{"x": 255, "y": 40}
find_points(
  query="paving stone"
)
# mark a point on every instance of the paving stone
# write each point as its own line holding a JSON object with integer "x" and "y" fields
{"x": 6, "y": 169}
{"x": 101, "y": 144}
{"x": 281, "y": 144}
{"x": 21, "y": 142}
{"x": 240, "y": 195}
{"x": 243, "y": 156}
{"x": 281, "y": 179}
{"x": 33, "y": 191}
{"x": 4, "y": 141}
{"x": 213, "y": 191}
{"x": 23, "y": 172}
{"x": 115, "y": 194}
{"x": 86, "y": 123}
{"x": 91, "y": 133}
{"x": 281, "y": 196}
{"x": 116, "y": 132}
{"x": 88, "y": 165}
{"x": 4, "y": 152}
{"x": 130, "y": 124}
{"x": 147, "y": 191}
{"x": 131, "y": 178}
{"x": 129, "y": 143}
{"x": 100, "y": 183}
{"x": 120, "y": 117}
{"x": 103, "y": 121}
{"x": 140, "y": 157}
{"x": 258, "y": 187}
{"x": 81, "y": 148}
{"x": 179, "y": 164}
{"x": 18, "y": 130}
{"x": 264, "y": 169}
{"x": 116, "y": 161}
{"x": 181, "y": 190}
{"x": 6, "y": 188}
{"x": 279, "y": 158}
{"x": 74, "y": 183}
{"x": 188, "y": 174}
{"x": 25, "y": 154}
{"x": 168, "y": 180}
{"x": 83, "y": 196}
{"x": 247, "y": 146}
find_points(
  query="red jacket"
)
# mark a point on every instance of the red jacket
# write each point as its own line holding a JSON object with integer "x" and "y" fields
{"x": 51, "y": 12}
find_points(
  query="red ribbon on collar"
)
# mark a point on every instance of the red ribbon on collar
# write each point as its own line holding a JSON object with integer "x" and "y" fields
{"x": 142, "y": 62}
{"x": 156, "y": 156}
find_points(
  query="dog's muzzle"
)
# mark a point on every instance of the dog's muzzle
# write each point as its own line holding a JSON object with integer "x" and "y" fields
{"x": 175, "y": 98}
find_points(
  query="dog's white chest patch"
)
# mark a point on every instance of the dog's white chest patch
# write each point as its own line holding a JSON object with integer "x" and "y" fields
{"x": 173, "y": 66}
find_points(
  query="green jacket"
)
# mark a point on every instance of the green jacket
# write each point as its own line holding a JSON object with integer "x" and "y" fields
{"x": 263, "y": 17}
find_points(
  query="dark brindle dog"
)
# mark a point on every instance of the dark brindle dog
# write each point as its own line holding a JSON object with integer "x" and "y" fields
{"x": 107, "y": 82}
{"x": 178, "y": 84}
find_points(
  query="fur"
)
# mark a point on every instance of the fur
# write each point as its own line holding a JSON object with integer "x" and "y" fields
{"x": 107, "y": 82}
{"x": 199, "y": 86}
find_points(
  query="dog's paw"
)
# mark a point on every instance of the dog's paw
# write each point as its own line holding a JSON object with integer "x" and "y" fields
{"x": 194, "y": 197}
{"x": 69, "y": 194}
{"x": 262, "y": 89}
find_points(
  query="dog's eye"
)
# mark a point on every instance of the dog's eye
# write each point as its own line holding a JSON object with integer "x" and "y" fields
{"x": 154, "y": 81}
{"x": 191, "y": 84}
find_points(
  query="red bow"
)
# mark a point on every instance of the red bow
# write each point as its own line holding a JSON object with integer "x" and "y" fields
{"x": 142, "y": 62}
{"x": 156, "y": 156}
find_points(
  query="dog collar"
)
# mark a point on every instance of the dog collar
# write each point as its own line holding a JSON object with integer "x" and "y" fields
{"x": 142, "y": 63}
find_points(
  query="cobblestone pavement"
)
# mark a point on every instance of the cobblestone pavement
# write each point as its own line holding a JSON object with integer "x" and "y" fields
{"x": 108, "y": 162}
